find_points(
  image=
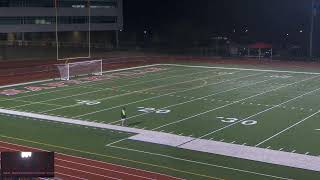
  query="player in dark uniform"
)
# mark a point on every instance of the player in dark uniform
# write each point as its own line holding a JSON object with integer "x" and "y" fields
{"x": 123, "y": 117}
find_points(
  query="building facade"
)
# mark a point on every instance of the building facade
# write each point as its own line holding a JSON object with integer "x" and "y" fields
{"x": 20, "y": 17}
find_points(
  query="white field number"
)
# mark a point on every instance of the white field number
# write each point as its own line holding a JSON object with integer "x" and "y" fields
{"x": 225, "y": 73}
{"x": 87, "y": 102}
{"x": 153, "y": 110}
{"x": 233, "y": 120}
{"x": 280, "y": 76}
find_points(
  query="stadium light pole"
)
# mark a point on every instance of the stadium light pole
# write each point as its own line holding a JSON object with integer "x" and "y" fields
{"x": 57, "y": 40}
{"x": 89, "y": 21}
{"x": 313, "y": 14}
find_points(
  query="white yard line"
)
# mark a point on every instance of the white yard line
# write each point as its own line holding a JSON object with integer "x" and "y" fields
{"x": 288, "y": 128}
{"x": 37, "y": 103}
{"x": 235, "y": 102}
{"x": 261, "y": 112}
{"x": 117, "y": 141}
{"x": 200, "y": 98}
{"x": 189, "y": 89}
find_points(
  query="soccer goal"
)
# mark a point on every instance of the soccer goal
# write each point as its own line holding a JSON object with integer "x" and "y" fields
{"x": 69, "y": 70}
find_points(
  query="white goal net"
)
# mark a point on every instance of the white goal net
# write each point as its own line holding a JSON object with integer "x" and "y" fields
{"x": 70, "y": 70}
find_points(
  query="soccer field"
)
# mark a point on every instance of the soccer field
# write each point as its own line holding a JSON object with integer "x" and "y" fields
{"x": 259, "y": 109}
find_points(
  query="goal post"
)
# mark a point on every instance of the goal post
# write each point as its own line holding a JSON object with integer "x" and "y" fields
{"x": 69, "y": 70}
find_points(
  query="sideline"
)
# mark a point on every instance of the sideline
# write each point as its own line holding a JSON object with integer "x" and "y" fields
{"x": 244, "y": 69}
{"x": 294, "y": 160}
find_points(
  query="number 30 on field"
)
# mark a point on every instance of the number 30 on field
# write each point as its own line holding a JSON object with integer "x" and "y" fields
{"x": 233, "y": 120}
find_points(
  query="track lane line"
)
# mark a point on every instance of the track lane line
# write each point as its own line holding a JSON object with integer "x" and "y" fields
{"x": 63, "y": 174}
{"x": 86, "y": 172}
{"x": 288, "y": 128}
{"x": 120, "y": 172}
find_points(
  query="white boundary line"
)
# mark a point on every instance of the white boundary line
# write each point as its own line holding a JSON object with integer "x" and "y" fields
{"x": 181, "y": 65}
{"x": 142, "y": 133}
{"x": 245, "y": 69}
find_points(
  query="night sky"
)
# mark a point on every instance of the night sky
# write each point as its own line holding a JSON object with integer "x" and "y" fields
{"x": 266, "y": 20}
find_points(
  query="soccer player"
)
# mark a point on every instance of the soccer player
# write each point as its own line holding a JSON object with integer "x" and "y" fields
{"x": 123, "y": 116}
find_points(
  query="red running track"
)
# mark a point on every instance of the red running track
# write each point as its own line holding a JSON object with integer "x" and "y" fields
{"x": 71, "y": 167}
